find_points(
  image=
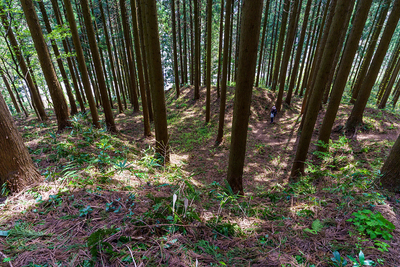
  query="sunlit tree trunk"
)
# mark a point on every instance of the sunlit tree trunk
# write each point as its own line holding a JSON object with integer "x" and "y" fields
{"x": 57, "y": 96}
{"x": 81, "y": 63}
{"x": 157, "y": 88}
{"x": 16, "y": 168}
{"x": 144, "y": 57}
{"x": 72, "y": 103}
{"x": 250, "y": 33}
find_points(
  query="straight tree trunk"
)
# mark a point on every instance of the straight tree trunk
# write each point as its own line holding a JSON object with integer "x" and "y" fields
{"x": 365, "y": 90}
{"x": 196, "y": 51}
{"x": 291, "y": 33}
{"x": 180, "y": 42}
{"x": 343, "y": 71}
{"x": 81, "y": 63}
{"x": 337, "y": 26}
{"x": 298, "y": 53}
{"x": 129, "y": 53}
{"x": 221, "y": 32}
{"x": 282, "y": 32}
{"x": 185, "y": 54}
{"x": 157, "y": 88}
{"x": 175, "y": 52}
{"x": 370, "y": 51}
{"x": 146, "y": 119}
{"x": 262, "y": 42}
{"x": 16, "y": 168}
{"x": 389, "y": 87}
{"x": 57, "y": 96}
{"x": 209, "y": 35}
{"x": 75, "y": 78}
{"x": 109, "y": 118}
{"x": 144, "y": 57}
{"x": 71, "y": 99}
{"x": 222, "y": 103}
{"x": 250, "y": 34}
{"x": 390, "y": 171}
{"x": 110, "y": 58}
{"x": 8, "y": 87}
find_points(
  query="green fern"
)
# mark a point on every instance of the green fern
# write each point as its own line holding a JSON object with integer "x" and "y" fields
{"x": 316, "y": 227}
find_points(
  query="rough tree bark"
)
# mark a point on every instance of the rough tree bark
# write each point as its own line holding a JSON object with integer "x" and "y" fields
{"x": 250, "y": 33}
{"x": 57, "y": 96}
{"x": 16, "y": 168}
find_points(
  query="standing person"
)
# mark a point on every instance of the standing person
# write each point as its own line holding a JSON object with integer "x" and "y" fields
{"x": 273, "y": 113}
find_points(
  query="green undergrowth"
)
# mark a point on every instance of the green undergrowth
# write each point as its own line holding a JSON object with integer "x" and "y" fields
{"x": 107, "y": 200}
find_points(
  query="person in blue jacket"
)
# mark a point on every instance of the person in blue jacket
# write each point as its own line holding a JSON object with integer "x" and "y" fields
{"x": 273, "y": 114}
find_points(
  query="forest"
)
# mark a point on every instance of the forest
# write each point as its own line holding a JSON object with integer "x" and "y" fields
{"x": 199, "y": 133}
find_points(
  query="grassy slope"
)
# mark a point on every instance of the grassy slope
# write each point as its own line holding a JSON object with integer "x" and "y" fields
{"x": 105, "y": 200}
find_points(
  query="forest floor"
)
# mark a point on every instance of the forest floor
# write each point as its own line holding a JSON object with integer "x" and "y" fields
{"x": 105, "y": 201}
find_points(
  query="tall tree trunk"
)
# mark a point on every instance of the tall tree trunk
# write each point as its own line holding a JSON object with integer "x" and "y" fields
{"x": 209, "y": 35}
{"x": 180, "y": 42}
{"x": 222, "y": 103}
{"x": 110, "y": 58}
{"x": 291, "y": 33}
{"x": 389, "y": 87}
{"x": 175, "y": 52}
{"x": 365, "y": 90}
{"x": 298, "y": 53}
{"x": 343, "y": 71}
{"x": 262, "y": 42}
{"x": 36, "y": 100}
{"x": 370, "y": 51}
{"x": 196, "y": 51}
{"x": 71, "y": 99}
{"x": 185, "y": 72}
{"x": 81, "y": 63}
{"x": 337, "y": 26}
{"x": 146, "y": 119}
{"x": 145, "y": 60}
{"x": 16, "y": 168}
{"x": 221, "y": 32}
{"x": 250, "y": 34}
{"x": 75, "y": 78}
{"x": 98, "y": 66}
{"x": 129, "y": 53}
{"x": 157, "y": 88}
{"x": 8, "y": 87}
{"x": 59, "y": 102}
{"x": 390, "y": 171}
{"x": 282, "y": 32}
